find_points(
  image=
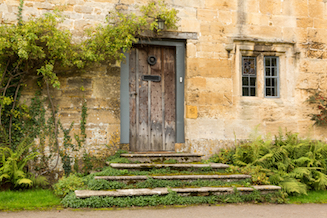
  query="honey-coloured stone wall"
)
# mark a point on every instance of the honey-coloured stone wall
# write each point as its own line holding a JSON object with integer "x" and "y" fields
{"x": 215, "y": 110}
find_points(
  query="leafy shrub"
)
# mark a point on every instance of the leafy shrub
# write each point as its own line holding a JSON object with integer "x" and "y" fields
{"x": 68, "y": 184}
{"x": 101, "y": 184}
{"x": 171, "y": 199}
{"x": 294, "y": 164}
{"x": 12, "y": 164}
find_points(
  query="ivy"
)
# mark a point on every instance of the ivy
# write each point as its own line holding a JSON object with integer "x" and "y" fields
{"x": 320, "y": 102}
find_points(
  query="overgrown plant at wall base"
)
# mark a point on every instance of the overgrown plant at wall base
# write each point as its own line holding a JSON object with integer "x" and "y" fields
{"x": 295, "y": 164}
{"x": 171, "y": 199}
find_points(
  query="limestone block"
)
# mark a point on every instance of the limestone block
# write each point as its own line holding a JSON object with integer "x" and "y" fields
{"x": 127, "y": 2}
{"x": 264, "y": 31}
{"x": 305, "y": 22}
{"x": 189, "y": 13}
{"x": 317, "y": 35}
{"x": 209, "y": 67}
{"x": 196, "y": 83}
{"x": 204, "y": 128}
{"x": 313, "y": 66}
{"x": 81, "y": 25}
{"x": 106, "y": 1}
{"x": 79, "y": 83}
{"x": 219, "y": 85}
{"x": 9, "y": 18}
{"x": 101, "y": 116}
{"x": 227, "y": 17}
{"x": 221, "y": 5}
{"x": 83, "y": 9}
{"x": 45, "y": 5}
{"x": 190, "y": 50}
{"x": 207, "y": 15}
{"x": 189, "y": 3}
{"x": 283, "y": 21}
{"x": 106, "y": 87}
{"x": 289, "y": 34}
{"x": 191, "y": 112}
{"x": 301, "y": 8}
{"x": 271, "y": 113}
{"x": 252, "y": 6}
{"x": 306, "y": 128}
{"x": 301, "y": 35}
{"x": 212, "y": 98}
{"x": 12, "y": 2}
{"x": 316, "y": 9}
{"x": 270, "y": 7}
{"x": 273, "y": 128}
{"x": 190, "y": 25}
{"x": 217, "y": 111}
{"x": 210, "y": 47}
{"x": 242, "y": 129}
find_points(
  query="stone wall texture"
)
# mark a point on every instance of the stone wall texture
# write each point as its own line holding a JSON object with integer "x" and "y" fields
{"x": 216, "y": 112}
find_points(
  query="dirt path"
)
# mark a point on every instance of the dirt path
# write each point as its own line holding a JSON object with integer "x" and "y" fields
{"x": 226, "y": 211}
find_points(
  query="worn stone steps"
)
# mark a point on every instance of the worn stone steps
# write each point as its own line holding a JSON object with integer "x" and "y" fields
{"x": 129, "y": 179}
{"x": 161, "y": 157}
{"x": 203, "y": 191}
{"x": 215, "y": 166}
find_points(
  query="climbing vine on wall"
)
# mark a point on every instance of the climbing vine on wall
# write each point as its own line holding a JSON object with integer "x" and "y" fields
{"x": 38, "y": 48}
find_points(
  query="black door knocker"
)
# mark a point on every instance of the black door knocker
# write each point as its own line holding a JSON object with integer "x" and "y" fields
{"x": 152, "y": 60}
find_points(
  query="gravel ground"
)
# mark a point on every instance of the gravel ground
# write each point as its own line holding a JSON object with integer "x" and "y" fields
{"x": 226, "y": 211}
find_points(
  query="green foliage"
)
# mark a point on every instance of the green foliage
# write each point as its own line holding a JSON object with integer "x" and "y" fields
{"x": 296, "y": 165}
{"x": 116, "y": 156}
{"x": 170, "y": 161}
{"x": 12, "y": 164}
{"x": 171, "y": 199}
{"x": 38, "y": 181}
{"x": 35, "y": 199}
{"x": 87, "y": 161}
{"x": 157, "y": 183}
{"x": 68, "y": 184}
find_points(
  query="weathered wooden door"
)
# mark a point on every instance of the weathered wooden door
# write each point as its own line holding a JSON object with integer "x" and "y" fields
{"x": 152, "y": 98}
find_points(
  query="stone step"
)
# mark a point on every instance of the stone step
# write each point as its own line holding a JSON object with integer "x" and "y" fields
{"x": 214, "y": 166}
{"x": 203, "y": 191}
{"x": 129, "y": 179}
{"x": 161, "y": 157}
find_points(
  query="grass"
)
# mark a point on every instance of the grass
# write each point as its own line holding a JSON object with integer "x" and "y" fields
{"x": 28, "y": 200}
{"x": 313, "y": 197}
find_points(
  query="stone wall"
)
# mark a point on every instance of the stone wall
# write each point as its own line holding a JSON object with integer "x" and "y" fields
{"x": 216, "y": 112}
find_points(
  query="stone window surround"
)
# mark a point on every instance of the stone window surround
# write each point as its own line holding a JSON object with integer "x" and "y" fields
{"x": 261, "y": 48}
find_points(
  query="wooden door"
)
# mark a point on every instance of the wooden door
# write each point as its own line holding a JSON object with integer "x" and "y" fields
{"x": 152, "y": 98}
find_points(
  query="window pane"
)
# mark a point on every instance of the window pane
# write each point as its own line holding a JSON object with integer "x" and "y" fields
{"x": 252, "y": 81}
{"x": 245, "y": 92}
{"x": 273, "y": 82}
{"x": 245, "y": 81}
{"x": 267, "y": 71}
{"x": 273, "y": 92}
{"x": 249, "y": 66}
{"x": 274, "y": 62}
{"x": 252, "y": 91}
{"x": 273, "y": 72}
{"x": 268, "y": 92}
{"x": 268, "y": 82}
{"x": 267, "y": 62}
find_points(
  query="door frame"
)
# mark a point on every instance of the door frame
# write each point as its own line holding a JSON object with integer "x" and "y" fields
{"x": 180, "y": 81}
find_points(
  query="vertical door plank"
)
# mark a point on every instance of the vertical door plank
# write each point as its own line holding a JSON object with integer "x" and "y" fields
{"x": 132, "y": 101}
{"x": 156, "y": 131}
{"x": 143, "y": 134}
{"x": 170, "y": 111}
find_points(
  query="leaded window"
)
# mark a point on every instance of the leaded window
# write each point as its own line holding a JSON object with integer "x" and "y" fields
{"x": 271, "y": 76}
{"x": 249, "y": 76}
